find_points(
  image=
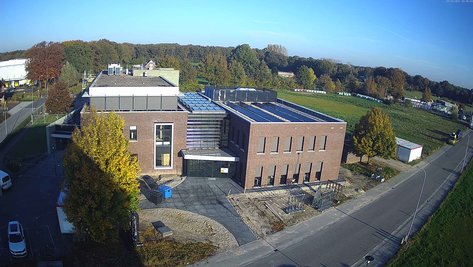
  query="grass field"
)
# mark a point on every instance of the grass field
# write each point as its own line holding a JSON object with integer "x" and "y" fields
{"x": 412, "y": 124}
{"x": 447, "y": 239}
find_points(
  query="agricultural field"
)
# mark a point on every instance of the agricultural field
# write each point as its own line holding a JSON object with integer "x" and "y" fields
{"x": 446, "y": 239}
{"x": 412, "y": 124}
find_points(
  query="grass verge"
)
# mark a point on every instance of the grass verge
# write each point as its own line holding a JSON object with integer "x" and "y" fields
{"x": 446, "y": 240}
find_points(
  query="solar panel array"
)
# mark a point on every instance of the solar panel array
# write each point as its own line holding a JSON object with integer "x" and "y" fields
{"x": 284, "y": 112}
{"x": 253, "y": 113}
{"x": 196, "y": 102}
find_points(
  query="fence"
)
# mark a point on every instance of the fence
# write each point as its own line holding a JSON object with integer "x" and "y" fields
{"x": 16, "y": 119}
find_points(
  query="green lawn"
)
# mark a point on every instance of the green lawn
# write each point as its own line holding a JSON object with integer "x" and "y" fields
{"x": 446, "y": 240}
{"x": 412, "y": 124}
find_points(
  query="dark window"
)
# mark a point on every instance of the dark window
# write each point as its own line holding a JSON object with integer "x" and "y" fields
{"x": 300, "y": 143}
{"x": 272, "y": 173}
{"x": 284, "y": 174}
{"x": 287, "y": 144}
{"x": 258, "y": 174}
{"x": 318, "y": 170}
{"x": 308, "y": 169}
{"x": 275, "y": 144}
{"x": 295, "y": 176}
{"x": 312, "y": 143}
{"x": 133, "y": 133}
{"x": 323, "y": 142}
{"x": 261, "y": 144}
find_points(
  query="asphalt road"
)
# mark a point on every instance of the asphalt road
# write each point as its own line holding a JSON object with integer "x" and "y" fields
{"x": 345, "y": 235}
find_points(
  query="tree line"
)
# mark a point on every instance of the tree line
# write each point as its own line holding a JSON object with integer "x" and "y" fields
{"x": 246, "y": 66}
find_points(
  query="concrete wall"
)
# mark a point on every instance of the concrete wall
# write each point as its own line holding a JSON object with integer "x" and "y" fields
{"x": 136, "y": 91}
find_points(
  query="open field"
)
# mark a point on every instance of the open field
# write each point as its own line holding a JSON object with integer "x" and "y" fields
{"x": 446, "y": 239}
{"x": 412, "y": 124}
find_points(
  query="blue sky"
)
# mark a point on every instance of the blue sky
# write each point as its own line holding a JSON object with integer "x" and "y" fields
{"x": 433, "y": 38}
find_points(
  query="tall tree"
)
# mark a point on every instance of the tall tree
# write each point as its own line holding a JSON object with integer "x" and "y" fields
{"x": 79, "y": 54}
{"x": 427, "y": 95}
{"x": 69, "y": 75}
{"x": 187, "y": 76}
{"x": 215, "y": 69}
{"x": 45, "y": 61}
{"x": 326, "y": 82}
{"x": 247, "y": 57}
{"x": 169, "y": 62}
{"x": 237, "y": 74}
{"x": 374, "y": 135}
{"x": 306, "y": 77}
{"x": 59, "y": 99}
{"x": 101, "y": 176}
{"x": 398, "y": 80}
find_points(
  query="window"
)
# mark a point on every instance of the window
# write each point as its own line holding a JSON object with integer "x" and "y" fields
{"x": 318, "y": 170}
{"x": 163, "y": 145}
{"x": 258, "y": 174}
{"x": 133, "y": 133}
{"x": 284, "y": 174}
{"x": 272, "y": 173}
{"x": 300, "y": 143}
{"x": 287, "y": 144}
{"x": 311, "y": 143}
{"x": 275, "y": 144}
{"x": 323, "y": 142}
{"x": 261, "y": 144}
{"x": 307, "y": 171}
{"x": 295, "y": 176}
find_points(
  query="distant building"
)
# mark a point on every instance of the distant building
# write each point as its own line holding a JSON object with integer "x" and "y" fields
{"x": 150, "y": 70}
{"x": 13, "y": 72}
{"x": 286, "y": 74}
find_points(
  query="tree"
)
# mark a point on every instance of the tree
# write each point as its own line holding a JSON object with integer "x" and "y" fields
{"x": 69, "y": 75}
{"x": 427, "y": 95}
{"x": 169, "y": 62}
{"x": 247, "y": 57}
{"x": 215, "y": 69}
{"x": 45, "y": 61}
{"x": 237, "y": 74}
{"x": 101, "y": 177}
{"x": 454, "y": 113}
{"x": 79, "y": 54}
{"x": 327, "y": 83}
{"x": 374, "y": 135}
{"x": 59, "y": 99}
{"x": 306, "y": 77}
{"x": 398, "y": 80}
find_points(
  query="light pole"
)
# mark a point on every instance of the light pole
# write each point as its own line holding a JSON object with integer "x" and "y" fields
{"x": 417, "y": 207}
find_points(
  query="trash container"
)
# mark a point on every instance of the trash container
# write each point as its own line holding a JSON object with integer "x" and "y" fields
{"x": 166, "y": 191}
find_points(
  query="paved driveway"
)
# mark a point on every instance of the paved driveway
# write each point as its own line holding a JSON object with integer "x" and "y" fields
{"x": 207, "y": 197}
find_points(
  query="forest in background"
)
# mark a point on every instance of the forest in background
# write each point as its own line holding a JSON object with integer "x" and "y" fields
{"x": 250, "y": 67}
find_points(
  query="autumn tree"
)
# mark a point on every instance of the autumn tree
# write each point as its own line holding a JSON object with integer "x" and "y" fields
{"x": 374, "y": 135}
{"x": 306, "y": 77}
{"x": 44, "y": 61}
{"x": 59, "y": 99}
{"x": 326, "y": 82}
{"x": 101, "y": 177}
{"x": 69, "y": 75}
{"x": 427, "y": 95}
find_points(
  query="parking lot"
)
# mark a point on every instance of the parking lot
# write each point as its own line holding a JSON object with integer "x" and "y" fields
{"x": 32, "y": 201}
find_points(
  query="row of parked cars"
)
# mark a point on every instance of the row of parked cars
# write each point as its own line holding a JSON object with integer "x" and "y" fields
{"x": 16, "y": 234}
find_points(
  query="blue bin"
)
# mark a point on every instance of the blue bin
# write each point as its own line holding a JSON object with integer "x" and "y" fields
{"x": 166, "y": 191}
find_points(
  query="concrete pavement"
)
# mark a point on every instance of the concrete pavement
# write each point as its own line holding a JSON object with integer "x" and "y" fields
{"x": 373, "y": 224}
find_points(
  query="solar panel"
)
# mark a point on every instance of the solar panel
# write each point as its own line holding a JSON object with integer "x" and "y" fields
{"x": 196, "y": 102}
{"x": 256, "y": 115}
{"x": 284, "y": 113}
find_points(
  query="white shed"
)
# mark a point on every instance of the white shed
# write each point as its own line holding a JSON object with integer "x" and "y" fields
{"x": 408, "y": 151}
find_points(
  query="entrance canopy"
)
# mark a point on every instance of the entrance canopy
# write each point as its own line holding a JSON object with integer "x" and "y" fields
{"x": 209, "y": 154}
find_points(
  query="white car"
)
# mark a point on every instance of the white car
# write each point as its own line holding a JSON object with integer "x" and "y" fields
{"x": 16, "y": 239}
{"x": 5, "y": 180}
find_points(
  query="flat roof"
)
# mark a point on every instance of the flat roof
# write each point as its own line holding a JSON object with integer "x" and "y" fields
{"x": 210, "y": 154}
{"x": 195, "y": 102}
{"x": 275, "y": 112}
{"x": 105, "y": 80}
{"x": 407, "y": 144}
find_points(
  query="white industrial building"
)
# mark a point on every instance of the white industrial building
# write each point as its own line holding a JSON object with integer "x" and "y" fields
{"x": 13, "y": 72}
{"x": 408, "y": 151}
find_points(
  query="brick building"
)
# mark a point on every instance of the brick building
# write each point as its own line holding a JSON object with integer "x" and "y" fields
{"x": 247, "y": 135}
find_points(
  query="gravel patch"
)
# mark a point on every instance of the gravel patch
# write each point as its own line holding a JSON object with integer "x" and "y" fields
{"x": 190, "y": 227}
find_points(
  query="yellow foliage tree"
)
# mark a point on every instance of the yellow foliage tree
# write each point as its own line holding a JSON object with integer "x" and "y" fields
{"x": 101, "y": 177}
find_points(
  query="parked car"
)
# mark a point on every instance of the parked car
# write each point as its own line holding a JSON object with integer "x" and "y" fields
{"x": 5, "y": 180}
{"x": 16, "y": 239}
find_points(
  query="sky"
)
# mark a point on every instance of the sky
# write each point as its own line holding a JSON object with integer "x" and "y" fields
{"x": 433, "y": 38}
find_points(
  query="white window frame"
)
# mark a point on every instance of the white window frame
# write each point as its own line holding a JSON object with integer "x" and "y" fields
{"x": 172, "y": 147}
{"x": 133, "y": 128}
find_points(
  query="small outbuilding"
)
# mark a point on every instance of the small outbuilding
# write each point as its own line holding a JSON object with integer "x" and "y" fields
{"x": 407, "y": 151}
